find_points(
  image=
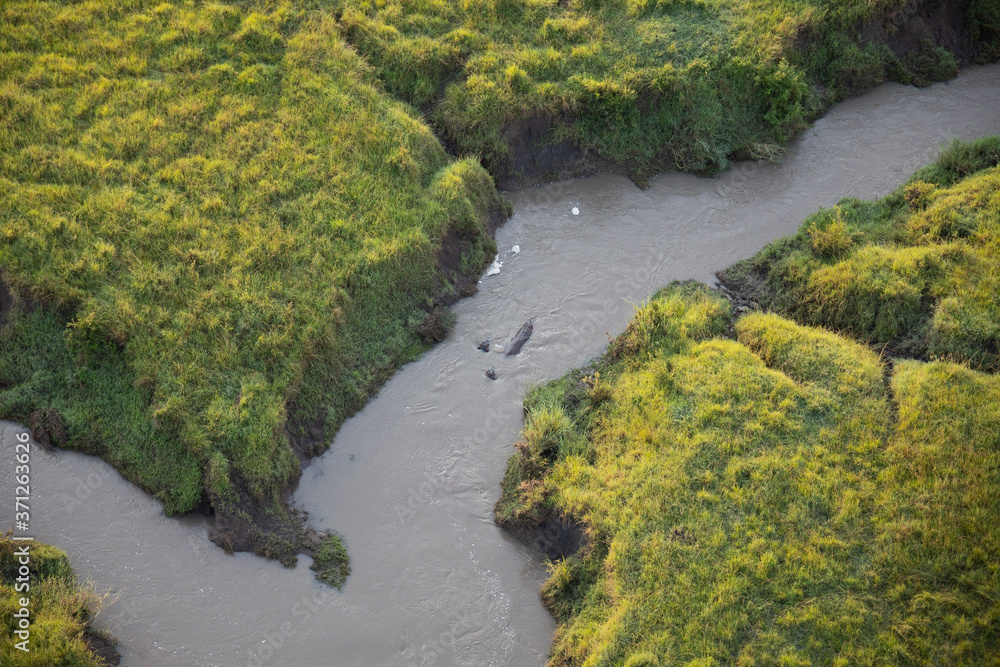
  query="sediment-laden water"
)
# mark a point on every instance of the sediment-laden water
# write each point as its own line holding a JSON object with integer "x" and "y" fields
{"x": 410, "y": 481}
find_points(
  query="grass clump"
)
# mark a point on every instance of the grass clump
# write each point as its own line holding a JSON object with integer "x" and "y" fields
{"x": 916, "y": 271}
{"x": 753, "y": 501}
{"x": 231, "y": 229}
{"x": 832, "y": 240}
{"x": 61, "y": 611}
{"x": 644, "y": 85}
{"x": 330, "y": 561}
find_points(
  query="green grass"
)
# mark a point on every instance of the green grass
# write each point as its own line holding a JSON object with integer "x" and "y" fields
{"x": 60, "y": 610}
{"x": 227, "y": 224}
{"x": 331, "y": 562}
{"x": 647, "y": 85}
{"x": 754, "y": 501}
{"x": 222, "y": 234}
{"x": 916, "y": 272}
{"x": 940, "y": 542}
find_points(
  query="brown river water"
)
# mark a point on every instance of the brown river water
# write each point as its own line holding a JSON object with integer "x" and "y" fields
{"x": 411, "y": 480}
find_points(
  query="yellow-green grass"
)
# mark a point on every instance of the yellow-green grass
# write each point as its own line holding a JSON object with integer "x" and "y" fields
{"x": 61, "y": 610}
{"x": 214, "y": 223}
{"x": 918, "y": 271}
{"x": 756, "y": 501}
{"x": 644, "y": 84}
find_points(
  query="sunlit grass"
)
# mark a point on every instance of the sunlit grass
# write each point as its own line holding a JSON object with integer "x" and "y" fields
{"x": 916, "y": 271}
{"x": 226, "y": 219}
{"x": 61, "y": 610}
{"x": 756, "y": 501}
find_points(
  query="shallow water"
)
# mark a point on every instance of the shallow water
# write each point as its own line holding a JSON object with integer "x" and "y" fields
{"x": 410, "y": 481}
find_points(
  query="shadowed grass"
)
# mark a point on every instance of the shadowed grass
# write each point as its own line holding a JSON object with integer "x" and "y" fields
{"x": 751, "y": 501}
{"x": 224, "y": 216}
{"x": 646, "y": 84}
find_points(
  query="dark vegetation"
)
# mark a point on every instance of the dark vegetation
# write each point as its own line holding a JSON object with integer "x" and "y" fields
{"x": 61, "y": 612}
{"x": 760, "y": 491}
{"x": 220, "y": 233}
{"x": 540, "y": 88}
{"x": 330, "y": 561}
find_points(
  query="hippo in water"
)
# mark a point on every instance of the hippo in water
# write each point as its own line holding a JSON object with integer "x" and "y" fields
{"x": 520, "y": 339}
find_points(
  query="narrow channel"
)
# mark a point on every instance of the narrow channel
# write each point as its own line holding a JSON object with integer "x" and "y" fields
{"x": 411, "y": 480}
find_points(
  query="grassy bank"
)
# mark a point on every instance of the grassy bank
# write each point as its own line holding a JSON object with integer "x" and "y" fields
{"x": 915, "y": 273}
{"x": 766, "y": 492}
{"x": 536, "y": 87}
{"x": 220, "y": 233}
{"x": 61, "y": 611}
{"x": 220, "y": 237}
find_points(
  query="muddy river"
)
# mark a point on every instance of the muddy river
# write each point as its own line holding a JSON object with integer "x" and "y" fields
{"x": 411, "y": 480}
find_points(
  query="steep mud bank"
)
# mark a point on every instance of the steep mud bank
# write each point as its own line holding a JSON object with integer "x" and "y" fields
{"x": 915, "y": 27}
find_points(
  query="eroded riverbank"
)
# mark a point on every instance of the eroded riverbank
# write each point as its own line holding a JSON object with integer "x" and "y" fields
{"x": 410, "y": 481}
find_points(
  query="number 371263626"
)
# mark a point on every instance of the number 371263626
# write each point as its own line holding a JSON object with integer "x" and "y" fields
{"x": 22, "y": 455}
